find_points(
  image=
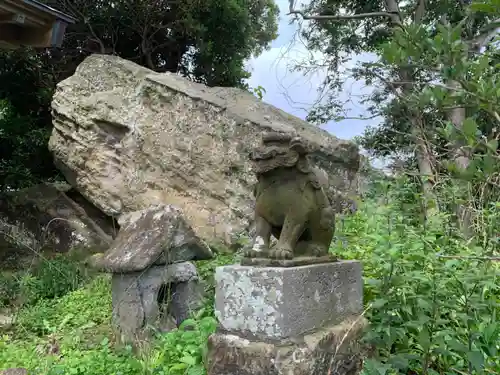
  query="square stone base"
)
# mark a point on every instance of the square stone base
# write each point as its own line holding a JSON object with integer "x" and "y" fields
{"x": 275, "y": 303}
{"x": 332, "y": 350}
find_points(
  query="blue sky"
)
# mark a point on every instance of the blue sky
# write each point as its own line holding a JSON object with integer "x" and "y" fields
{"x": 294, "y": 93}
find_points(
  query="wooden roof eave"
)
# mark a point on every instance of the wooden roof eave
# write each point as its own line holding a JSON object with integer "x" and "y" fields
{"x": 31, "y": 23}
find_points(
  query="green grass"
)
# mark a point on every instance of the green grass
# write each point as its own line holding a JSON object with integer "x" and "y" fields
{"x": 68, "y": 335}
{"x": 71, "y": 334}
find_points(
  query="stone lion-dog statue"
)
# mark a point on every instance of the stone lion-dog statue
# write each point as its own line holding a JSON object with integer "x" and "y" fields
{"x": 291, "y": 201}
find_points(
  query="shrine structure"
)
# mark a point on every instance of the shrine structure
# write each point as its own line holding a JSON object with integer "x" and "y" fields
{"x": 31, "y": 23}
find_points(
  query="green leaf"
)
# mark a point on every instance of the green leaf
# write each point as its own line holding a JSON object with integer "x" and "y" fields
{"x": 489, "y": 163}
{"x": 188, "y": 360}
{"x": 424, "y": 339}
{"x": 481, "y": 7}
{"x": 196, "y": 370}
{"x": 422, "y": 303}
{"x": 457, "y": 346}
{"x": 483, "y": 63}
{"x": 448, "y": 131}
{"x": 451, "y": 166}
{"x": 490, "y": 332}
{"x": 469, "y": 127}
{"x": 492, "y": 145}
{"x": 178, "y": 366}
{"x": 476, "y": 359}
{"x": 189, "y": 336}
{"x": 399, "y": 361}
{"x": 187, "y": 323}
{"x": 378, "y": 303}
{"x": 374, "y": 367}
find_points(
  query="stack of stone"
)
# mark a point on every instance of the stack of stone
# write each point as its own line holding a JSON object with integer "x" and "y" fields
{"x": 288, "y": 319}
{"x": 154, "y": 284}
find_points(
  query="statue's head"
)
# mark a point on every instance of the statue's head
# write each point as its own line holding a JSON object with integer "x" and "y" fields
{"x": 279, "y": 150}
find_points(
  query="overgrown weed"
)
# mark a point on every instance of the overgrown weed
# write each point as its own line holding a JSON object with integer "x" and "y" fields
{"x": 71, "y": 334}
{"x": 429, "y": 314}
{"x": 47, "y": 279}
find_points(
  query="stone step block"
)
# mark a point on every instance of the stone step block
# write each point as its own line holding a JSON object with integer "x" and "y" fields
{"x": 277, "y": 303}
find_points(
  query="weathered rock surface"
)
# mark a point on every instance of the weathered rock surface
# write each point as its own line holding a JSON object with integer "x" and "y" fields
{"x": 49, "y": 216}
{"x": 157, "y": 235}
{"x": 127, "y": 137}
{"x": 14, "y": 371}
{"x": 6, "y": 321}
{"x": 333, "y": 349}
{"x": 280, "y": 303}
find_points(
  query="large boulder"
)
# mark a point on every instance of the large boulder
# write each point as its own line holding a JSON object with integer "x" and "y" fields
{"x": 127, "y": 137}
{"x": 52, "y": 217}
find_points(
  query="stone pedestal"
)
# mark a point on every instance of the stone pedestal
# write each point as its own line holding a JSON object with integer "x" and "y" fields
{"x": 288, "y": 320}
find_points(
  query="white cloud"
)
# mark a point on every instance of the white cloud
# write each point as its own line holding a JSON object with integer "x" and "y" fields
{"x": 295, "y": 93}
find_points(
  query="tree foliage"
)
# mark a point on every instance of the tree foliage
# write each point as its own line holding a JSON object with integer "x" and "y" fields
{"x": 431, "y": 298}
{"x": 419, "y": 45}
{"x": 436, "y": 77}
{"x": 207, "y": 41}
{"x": 25, "y": 120}
{"x": 347, "y": 27}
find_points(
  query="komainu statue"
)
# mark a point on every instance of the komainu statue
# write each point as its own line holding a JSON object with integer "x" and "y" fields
{"x": 292, "y": 201}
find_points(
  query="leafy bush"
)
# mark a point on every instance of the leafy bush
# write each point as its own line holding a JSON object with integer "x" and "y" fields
{"x": 24, "y": 133}
{"x": 100, "y": 360}
{"x": 206, "y": 271}
{"x": 85, "y": 307}
{"x": 78, "y": 326}
{"x": 52, "y": 278}
{"x": 429, "y": 314}
{"x": 182, "y": 351}
{"x": 9, "y": 289}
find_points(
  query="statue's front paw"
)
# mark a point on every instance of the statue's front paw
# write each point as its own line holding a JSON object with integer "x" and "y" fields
{"x": 281, "y": 253}
{"x": 317, "y": 250}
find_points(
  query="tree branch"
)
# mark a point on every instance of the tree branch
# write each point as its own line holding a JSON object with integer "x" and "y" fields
{"x": 85, "y": 20}
{"x": 494, "y": 259}
{"x": 486, "y": 36}
{"x": 304, "y": 16}
{"x": 420, "y": 11}
{"x": 342, "y": 118}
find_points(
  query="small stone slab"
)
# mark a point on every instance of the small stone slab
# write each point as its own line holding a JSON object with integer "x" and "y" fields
{"x": 6, "y": 322}
{"x": 295, "y": 262}
{"x": 157, "y": 235}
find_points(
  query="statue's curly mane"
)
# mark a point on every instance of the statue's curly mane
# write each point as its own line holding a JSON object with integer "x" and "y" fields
{"x": 280, "y": 151}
